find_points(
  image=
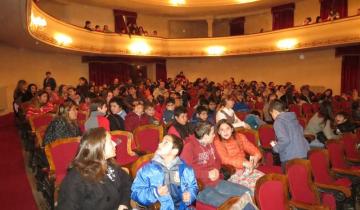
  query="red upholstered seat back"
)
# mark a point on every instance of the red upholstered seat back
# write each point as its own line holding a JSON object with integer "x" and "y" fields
{"x": 336, "y": 154}
{"x": 81, "y": 119}
{"x": 266, "y": 135}
{"x": 315, "y": 107}
{"x": 124, "y": 153}
{"x": 296, "y": 109}
{"x": 250, "y": 135}
{"x": 345, "y": 106}
{"x": 241, "y": 115}
{"x": 190, "y": 112}
{"x": 302, "y": 122}
{"x": 269, "y": 159}
{"x": 307, "y": 109}
{"x": 259, "y": 105}
{"x": 320, "y": 167}
{"x": 139, "y": 163}
{"x": 148, "y": 137}
{"x": 299, "y": 184}
{"x": 350, "y": 142}
{"x": 251, "y": 105}
{"x": 270, "y": 196}
{"x": 41, "y": 120}
{"x": 62, "y": 155}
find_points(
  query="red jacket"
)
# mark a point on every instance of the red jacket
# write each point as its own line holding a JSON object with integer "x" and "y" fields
{"x": 133, "y": 121}
{"x": 202, "y": 159}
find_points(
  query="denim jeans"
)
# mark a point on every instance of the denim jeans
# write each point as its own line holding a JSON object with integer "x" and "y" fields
{"x": 215, "y": 196}
{"x": 316, "y": 144}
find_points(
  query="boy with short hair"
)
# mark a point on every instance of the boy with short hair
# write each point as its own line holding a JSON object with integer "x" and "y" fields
{"x": 201, "y": 115}
{"x": 168, "y": 115}
{"x": 181, "y": 127}
{"x": 150, "y": 113}
{"x": 290, "y": 142}
{"x": 166, "y": 179}
{"x": 97, "y": 117}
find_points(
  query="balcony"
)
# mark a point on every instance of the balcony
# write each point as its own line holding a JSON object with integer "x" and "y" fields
{"x": 57, "y": 33}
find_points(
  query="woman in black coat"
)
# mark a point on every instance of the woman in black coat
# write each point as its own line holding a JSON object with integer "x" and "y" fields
{"x": 94, "y": 181}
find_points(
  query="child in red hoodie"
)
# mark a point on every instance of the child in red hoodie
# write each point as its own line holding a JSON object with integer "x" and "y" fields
{"x": 199, "y": 152}
{"x": 136, "y": 117}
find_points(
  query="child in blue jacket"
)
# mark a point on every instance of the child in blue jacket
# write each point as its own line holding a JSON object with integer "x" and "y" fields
{"x": 166, "y": 178}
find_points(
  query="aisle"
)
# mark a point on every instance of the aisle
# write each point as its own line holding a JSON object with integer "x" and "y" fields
{"x": 15, "y": 191}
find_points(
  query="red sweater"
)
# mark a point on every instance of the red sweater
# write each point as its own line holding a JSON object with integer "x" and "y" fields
{"x": 202, "y": 159}
{"x": 133, "y": 121}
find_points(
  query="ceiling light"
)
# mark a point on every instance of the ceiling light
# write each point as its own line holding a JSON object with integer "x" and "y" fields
{"x": 63, "y": 39}
{"x": 177, "y": 2}
{"x": 287, "y": 44}
{"x": 245, "y": 1}
{"x": 139, "y": 47}
{"x": 215, "y": 50}
{"x": 38, "y": 21}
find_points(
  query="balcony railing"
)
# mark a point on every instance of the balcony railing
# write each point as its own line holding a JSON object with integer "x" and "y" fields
{"x": 52, "y": 31}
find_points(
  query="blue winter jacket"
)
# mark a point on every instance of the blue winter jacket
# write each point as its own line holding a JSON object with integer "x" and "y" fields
{"x": 291, "y": 143}
{"x": 151, "y": 176}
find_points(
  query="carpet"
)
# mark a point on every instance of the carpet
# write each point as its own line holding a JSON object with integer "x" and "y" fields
{"x": 15, "y": 190}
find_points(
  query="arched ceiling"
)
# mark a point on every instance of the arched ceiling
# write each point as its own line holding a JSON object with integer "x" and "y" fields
{"x": 190, "y": 7}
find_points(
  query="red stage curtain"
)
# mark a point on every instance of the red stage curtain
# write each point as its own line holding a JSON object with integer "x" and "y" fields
{"x": 283, "y": 16}
{"x": 340, "y": 6}
{"x": 105, "y": 73}
{"x": 161, "y": 73}
{"x": 350, "y": 74}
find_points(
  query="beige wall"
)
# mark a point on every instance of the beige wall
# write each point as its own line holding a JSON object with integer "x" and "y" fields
{"x": 221, "y": 27}
{"x": 306, "y": 8}
{"x": 253, "y": 23}
{"x": 151, "y": 23}
{"x": 354, "y": 6}
{"x": 318, "y": 68}
{"x": 188, "y": 28}
{"x": 31, "y": 66}
{"x": 76, "y": 14}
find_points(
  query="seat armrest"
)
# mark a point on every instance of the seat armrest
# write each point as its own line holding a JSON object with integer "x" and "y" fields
{"x": 346, "y": 172}
{"x": 340, "y": 192}
{"x": 301, "y": 205}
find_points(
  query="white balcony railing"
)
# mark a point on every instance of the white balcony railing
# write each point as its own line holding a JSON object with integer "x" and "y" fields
{"x": 52, "y": 31}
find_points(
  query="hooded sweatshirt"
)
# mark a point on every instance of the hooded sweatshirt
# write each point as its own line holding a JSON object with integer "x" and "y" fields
{"x": 97, "y": 119}
{"x": 202, "y": 158}
{"x": 132, "y": 121}
{"x": 291, "y": 143}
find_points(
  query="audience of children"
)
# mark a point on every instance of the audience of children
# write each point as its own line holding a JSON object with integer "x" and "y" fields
{"x": 168, "y": 179}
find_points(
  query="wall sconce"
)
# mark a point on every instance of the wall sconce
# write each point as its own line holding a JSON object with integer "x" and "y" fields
{"x": 177, "y": 2}
{"x": 246, "y": 1}
{"x": 63, "y": 39}
{"x": 37, "y": 22}
{"x": 215, "y": 50}
{"x": 139, "y": 47}
{"x": 287, "y": 44}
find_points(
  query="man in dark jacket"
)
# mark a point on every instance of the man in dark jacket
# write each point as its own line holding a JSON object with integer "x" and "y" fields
{"x": 49, "y": 81}
{"x": 290, "y": 142}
